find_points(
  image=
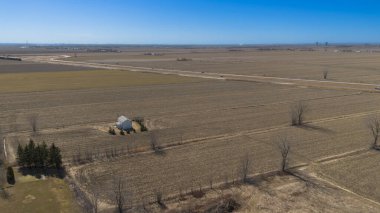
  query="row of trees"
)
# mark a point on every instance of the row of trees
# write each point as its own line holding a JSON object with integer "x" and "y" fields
{"x": 39, "y": 156}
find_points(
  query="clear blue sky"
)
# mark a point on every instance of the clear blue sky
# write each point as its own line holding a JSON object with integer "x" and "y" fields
{"x": 189, "y": 21}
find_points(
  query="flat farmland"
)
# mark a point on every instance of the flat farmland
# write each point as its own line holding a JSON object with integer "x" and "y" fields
{"x": 8, "y": 66}
{"x": 186, "y": 167}
{"x": 47, "y": 81}
{"x": 358, "y": 173}
{"x": 246, "y": 119}
{"x": 361, "y": 67}
{"x": 204, "y": 127}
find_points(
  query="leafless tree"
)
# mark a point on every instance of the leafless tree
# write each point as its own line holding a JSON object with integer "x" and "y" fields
{"x": 284, "y": 147}
{"x": 210, "y": 180}
{"x": 374, "y": 126}
{"x": 94, "y": 199}
{"x": 244, "y": 170}
{"x": 297, "y": 113}
{"x": 120, "y": 194}
{"x": 33, "y": 121}
{"x": 159, "y": 195}
{"x": 325, "y": 74}
{"x": 154, "y": 142}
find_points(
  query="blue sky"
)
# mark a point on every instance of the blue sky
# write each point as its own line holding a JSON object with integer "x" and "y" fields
{"x": 189, "y": 21}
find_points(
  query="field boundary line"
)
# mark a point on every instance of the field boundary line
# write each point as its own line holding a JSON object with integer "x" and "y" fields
{"x": 341, "y": 156}
{"x": 328, "y": 180}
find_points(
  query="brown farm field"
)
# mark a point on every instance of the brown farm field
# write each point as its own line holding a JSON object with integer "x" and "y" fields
{"x": 47, "y": 81}
{"x": 7, "y": 66}
{"x": 361, "y": 66}
{"x": 205, "y": 125}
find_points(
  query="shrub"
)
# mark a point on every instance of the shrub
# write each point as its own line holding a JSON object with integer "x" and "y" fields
{"x": 122, "y": 132}
{"x": 10, "y": 176}
{"x": 111, "y": 131}
{"x": 141, "y": 121}
{"x": 325, "y": 73}
{"x": 143, "y": 128}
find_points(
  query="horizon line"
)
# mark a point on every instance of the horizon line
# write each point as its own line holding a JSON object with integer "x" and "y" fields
{"x": 321, "y": 44}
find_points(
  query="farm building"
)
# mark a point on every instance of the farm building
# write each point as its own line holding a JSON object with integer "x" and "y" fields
{"x": 124, "y": 123}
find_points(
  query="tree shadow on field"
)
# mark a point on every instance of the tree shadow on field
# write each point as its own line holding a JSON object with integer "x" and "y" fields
{"x": 160, "y": 152}
{"x": 39, "y": 172}
{"x": 312, "y": 127}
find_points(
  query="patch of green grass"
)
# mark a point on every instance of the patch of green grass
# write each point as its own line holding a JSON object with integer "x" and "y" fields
{"x": 47, "y": 81}
{"x": 30, "y": 194}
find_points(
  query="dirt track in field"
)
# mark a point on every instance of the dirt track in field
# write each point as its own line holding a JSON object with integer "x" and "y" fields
{"x": 221, "y": 76}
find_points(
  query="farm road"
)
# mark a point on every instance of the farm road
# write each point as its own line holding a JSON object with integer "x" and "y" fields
{"x": 211, "y": 75}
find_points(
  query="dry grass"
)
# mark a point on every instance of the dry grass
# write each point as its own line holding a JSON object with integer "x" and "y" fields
{"x": 47, "y": 81}
{"x": 279, "y": 194}
{"x": 40, "y": 196}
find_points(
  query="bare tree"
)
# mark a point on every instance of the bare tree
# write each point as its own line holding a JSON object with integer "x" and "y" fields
{"x": 154, "y": 142}
{"x": 159, "y": 198}
{"x": 325, "y": 73}
{"x": 210, "y": 180}
{"x": 284, "y": 149}
{"x": 119, "y": 193}
{"x": 374, "y": 126}
{"x": 244, "y": 170}
{"x": 297, "y": 113}
{"x": 94, "y": 199}
{"x": 33, "y": 121}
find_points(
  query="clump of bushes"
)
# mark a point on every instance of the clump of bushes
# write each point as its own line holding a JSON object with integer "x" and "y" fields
{"x": 39, "y": 156}
{"x": 122, "y": 132}
{"x": 141, "y": 122}
{"x": 112, "y": 131}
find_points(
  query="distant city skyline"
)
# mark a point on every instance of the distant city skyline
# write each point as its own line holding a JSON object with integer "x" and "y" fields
{"x": 189, "y": 22}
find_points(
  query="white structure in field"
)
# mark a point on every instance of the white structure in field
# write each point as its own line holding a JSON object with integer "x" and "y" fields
{"x": 123, "y": 123}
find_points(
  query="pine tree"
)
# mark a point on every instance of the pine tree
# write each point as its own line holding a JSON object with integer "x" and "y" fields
{"x": 27, "y": 161}
{"x": 55, "y": 158}
{"x": 30, "y": 153}
{"x": 10, "y": 176}
{"x": 37, "y": 157}
{"x": 20, "y": 156}
{"x": 44, "y": 154}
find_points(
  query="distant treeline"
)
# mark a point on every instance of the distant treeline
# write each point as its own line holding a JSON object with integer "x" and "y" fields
{"x": 39, "y": 156}
{"x": 10, "y": 58}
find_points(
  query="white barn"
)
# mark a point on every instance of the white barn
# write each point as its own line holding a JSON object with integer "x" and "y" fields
{"x": 124, "y": 123}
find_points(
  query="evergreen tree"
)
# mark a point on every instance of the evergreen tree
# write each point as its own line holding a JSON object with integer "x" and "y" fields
{"x": 55, "y": 158}
{"x": 27, "y": 158}
{"x": 38, "y": 159}
{"x": 20, "y": 155}
{"x": 39, "y": 155}
{"x": 30, "y": 153}
{"x": 44, "y": 154}
{"x": 10, "y": 176}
